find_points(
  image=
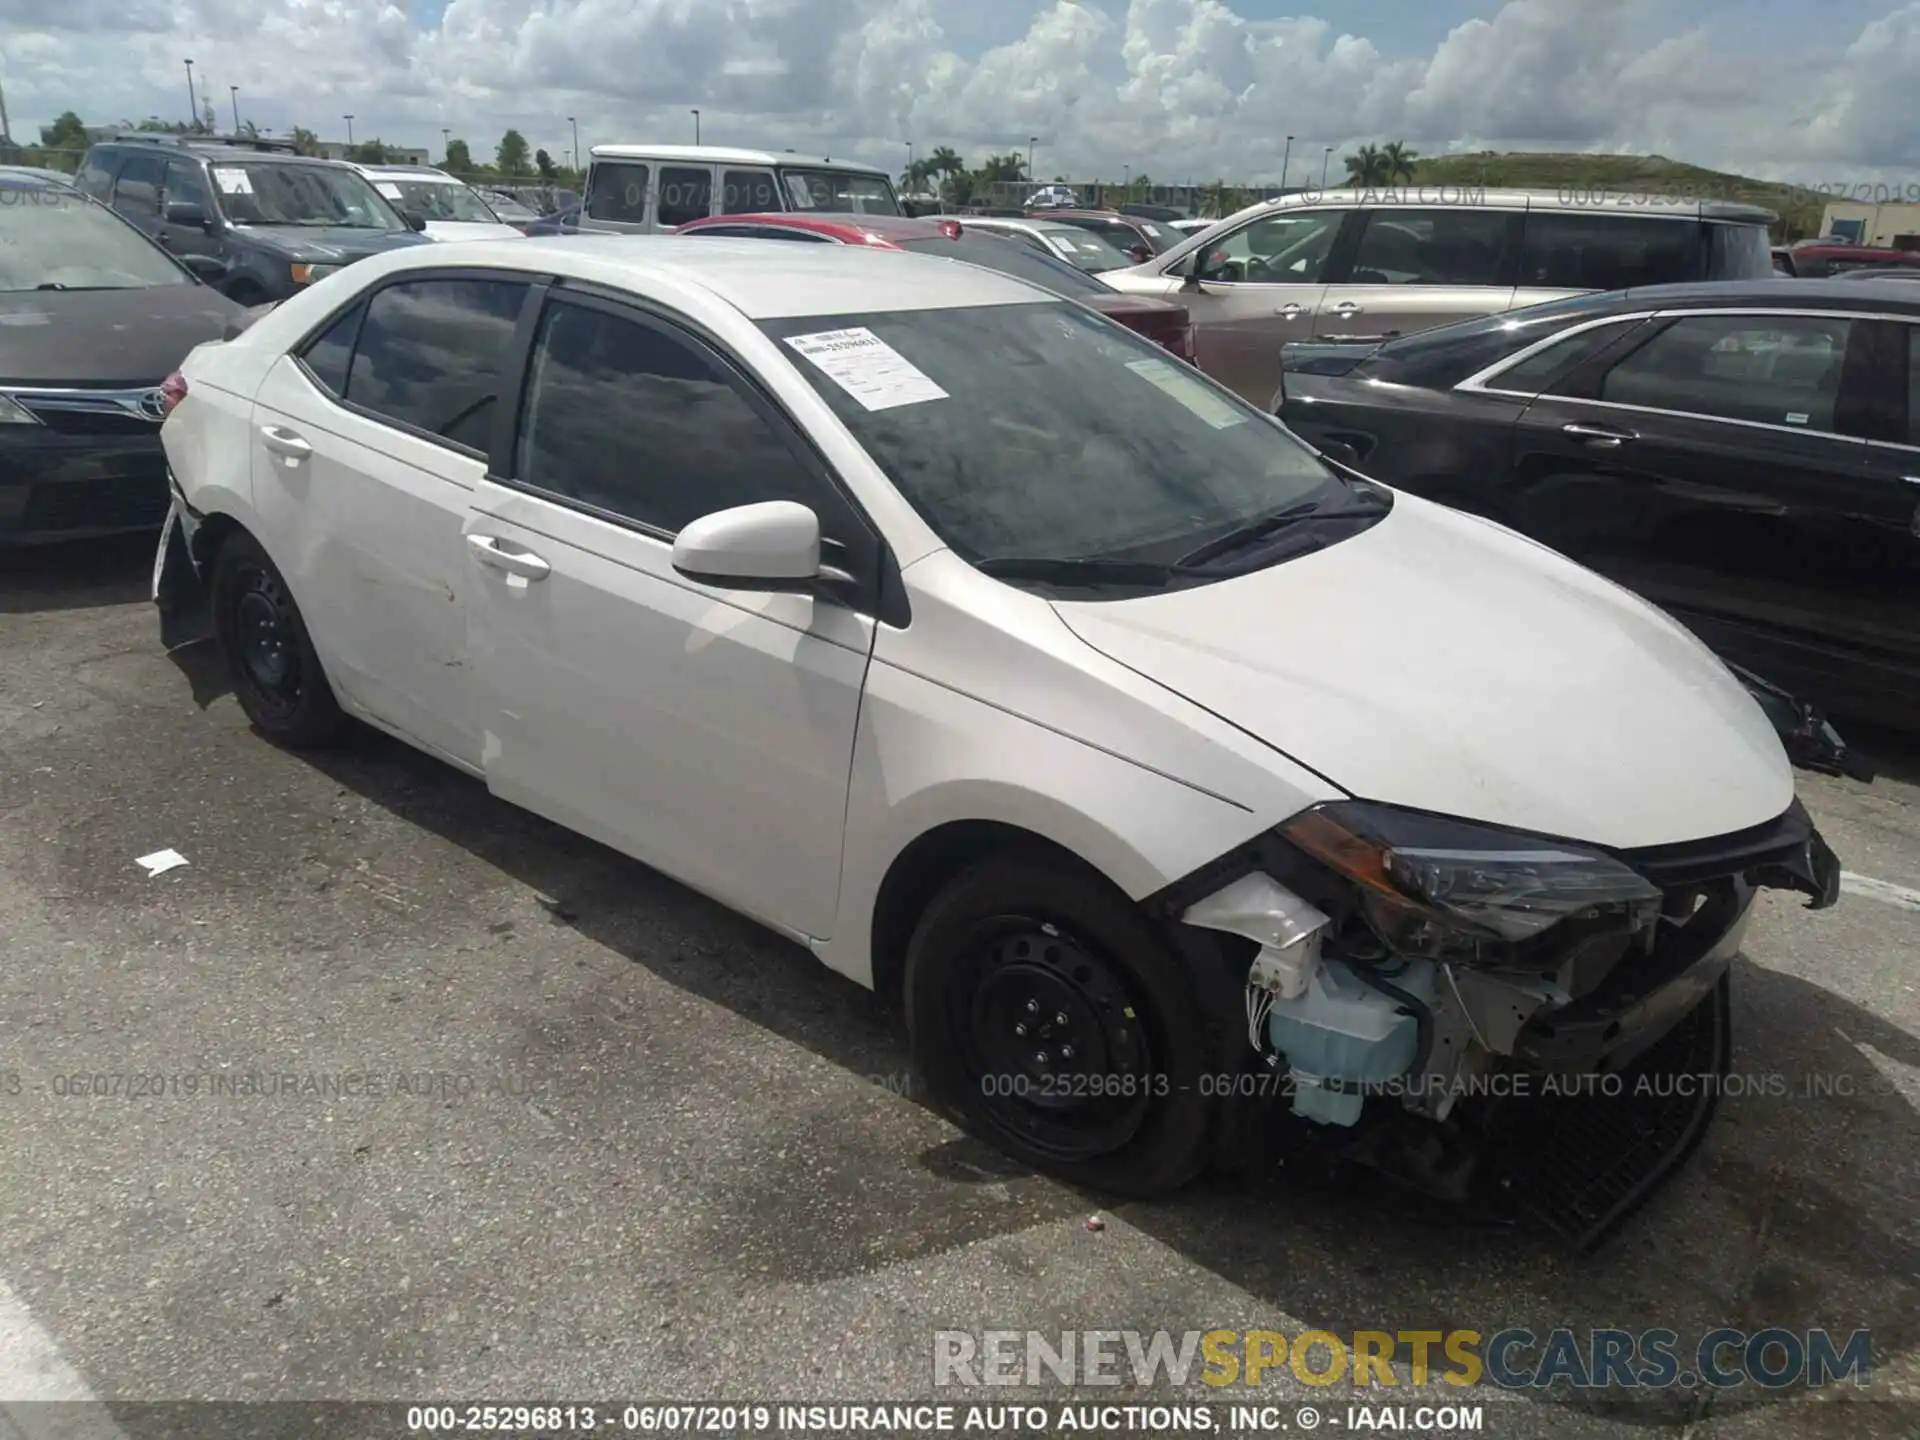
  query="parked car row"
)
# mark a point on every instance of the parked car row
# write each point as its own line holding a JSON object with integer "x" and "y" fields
{"x": 1011, "y": 665}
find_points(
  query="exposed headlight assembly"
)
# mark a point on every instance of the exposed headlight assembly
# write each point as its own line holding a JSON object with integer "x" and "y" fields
{"x": 1430, "y": 885}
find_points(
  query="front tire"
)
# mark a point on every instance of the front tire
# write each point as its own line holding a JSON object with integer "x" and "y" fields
{"x": 270, "y": 661}
{"x": 1049, "y": 1017}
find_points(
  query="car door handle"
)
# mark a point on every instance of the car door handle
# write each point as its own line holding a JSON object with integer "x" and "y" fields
{"x": 283, "y": 441}
{"x": 1601, "y": 437}
{"x": 524, "y": 563}
{"x": 1292, "y": 312}
{"x": 1347, "y": 308}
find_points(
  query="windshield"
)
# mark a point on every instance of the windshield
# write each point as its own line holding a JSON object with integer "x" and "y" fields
{"x": 839, "y": 190}
{"x": 57, "y": 239}
{"x": 438, "y": 200}
{"x": 1010, "y": 257}
{"x": 508, "y": 208}
{"x": 1045, "y": 431}
{"x": 1084, "y": 249}
{"x": 265, "y": 192}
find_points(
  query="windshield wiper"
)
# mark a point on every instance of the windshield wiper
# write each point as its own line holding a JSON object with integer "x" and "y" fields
{"x": 1262, "y": 526}
{"x": 1076, "y": 572}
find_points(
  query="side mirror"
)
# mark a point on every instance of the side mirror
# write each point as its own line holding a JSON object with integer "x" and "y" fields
{"x": 416, "y": 222}
{"x": 774, "y": 545}
{"x": 185, "y": 212}
{"x": 206, "y": 267}
{"x": 1139, "y": 254}
{"x": 1342, "y": 452}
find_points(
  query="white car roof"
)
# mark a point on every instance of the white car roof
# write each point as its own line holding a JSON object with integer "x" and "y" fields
{"x": 723, "y": 155}
{"x": 760, "y": 279}
{"x": 425, "y": 174}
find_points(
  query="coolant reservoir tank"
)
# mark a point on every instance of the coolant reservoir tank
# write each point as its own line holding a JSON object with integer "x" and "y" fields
{"x": 1341, "y": 1029}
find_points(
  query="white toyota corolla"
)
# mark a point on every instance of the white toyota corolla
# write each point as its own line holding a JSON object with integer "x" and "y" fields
{"x": 1014, "y": 668}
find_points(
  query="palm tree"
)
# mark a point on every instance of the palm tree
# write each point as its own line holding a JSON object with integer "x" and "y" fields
{"x": 1368, "y": 167}
{"x": 944, "y": 161}
{"x": 1399, "y": 160}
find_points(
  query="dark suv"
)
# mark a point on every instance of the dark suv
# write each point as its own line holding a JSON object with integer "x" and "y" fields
{"x": 274, "y": 220}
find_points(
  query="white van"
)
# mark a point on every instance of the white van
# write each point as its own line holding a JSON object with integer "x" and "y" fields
{"x": 647, "y": 189}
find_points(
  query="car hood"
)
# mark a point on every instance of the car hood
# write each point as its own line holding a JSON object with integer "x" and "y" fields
{"x": 107, "y": 337}
{"x": 1440, "y": 662}
{"x": 319, "y": 245}
{"x": 470, "y": 230}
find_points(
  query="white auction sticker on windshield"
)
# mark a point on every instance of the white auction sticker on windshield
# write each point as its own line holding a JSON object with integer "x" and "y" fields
{"x": 1165, "y": 376}
{"x": 867, "y": 368}
{"x": 387, "y": 188}
{"x": 232, "y": 179}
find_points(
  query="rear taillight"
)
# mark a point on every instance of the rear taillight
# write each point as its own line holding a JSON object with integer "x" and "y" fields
{"x": 173, "y": 390}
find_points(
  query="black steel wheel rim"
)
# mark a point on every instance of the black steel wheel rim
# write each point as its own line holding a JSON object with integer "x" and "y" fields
{"x": 263, "y": 632}
{"x": 1052, "y": 1041}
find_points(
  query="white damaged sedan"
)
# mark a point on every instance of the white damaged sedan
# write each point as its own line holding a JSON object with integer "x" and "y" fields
{"x": 1018, "y": 671}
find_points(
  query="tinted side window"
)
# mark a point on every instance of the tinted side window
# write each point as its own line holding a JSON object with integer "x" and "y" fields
{"x": 1913, "y": 384}
{"x": 330, "y": 352}
{"x": 96, "y": 176}
{"x": 138, "y": 189}
{"x": 617, "y": 192}
{"x": 430, "y": 354}
{"x": 185, "y": 185}
{"x": 748, "y": 192}
{"x": 1432, "y": 247}
{"x": 1574, "y": 251}
{"x": 637, "y": 421}
{"x": 686, "y": 194}
{"x": 1775, "y": 369}
{"x": 1547, "y": 367}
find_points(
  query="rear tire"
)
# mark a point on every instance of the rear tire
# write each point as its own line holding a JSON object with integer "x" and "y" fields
{"x": 1050, "y": 1018}
{"x": 270, "y": 660}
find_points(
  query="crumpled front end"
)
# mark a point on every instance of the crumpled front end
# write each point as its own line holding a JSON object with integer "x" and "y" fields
{"x": 1415, "y": 979}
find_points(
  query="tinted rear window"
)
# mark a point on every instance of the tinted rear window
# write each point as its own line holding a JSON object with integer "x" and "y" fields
{"x": 1010, "y": 257}
{"x": 1594, "y": 251}
{"x": 1450, "y": 353}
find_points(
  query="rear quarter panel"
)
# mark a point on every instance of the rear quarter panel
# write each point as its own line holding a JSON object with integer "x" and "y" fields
{"x": 1443, "y": 445}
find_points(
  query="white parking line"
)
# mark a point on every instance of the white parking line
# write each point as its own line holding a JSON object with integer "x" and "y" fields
{"x": 1869, "y": 888}
{"x": 33, "y": 1372}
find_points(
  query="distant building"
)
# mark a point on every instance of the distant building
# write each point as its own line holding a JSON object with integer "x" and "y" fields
{"x": 1895, "y": 226}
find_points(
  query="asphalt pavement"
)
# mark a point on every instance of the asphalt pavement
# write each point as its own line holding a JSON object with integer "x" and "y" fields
{"x": 409, "y": 1094}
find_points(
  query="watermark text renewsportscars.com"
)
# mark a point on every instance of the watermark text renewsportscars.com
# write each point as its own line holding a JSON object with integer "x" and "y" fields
{"x": 1514, "y": 1358}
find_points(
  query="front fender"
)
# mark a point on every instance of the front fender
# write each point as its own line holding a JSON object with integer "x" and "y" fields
{"x": 927, "y": 756}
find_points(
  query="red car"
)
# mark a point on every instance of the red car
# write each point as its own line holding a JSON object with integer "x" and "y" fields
{"x": 1817, "y": 261}
{"x": 1162, "y": 321}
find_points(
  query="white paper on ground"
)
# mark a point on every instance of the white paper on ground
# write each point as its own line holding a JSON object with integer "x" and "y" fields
{"x": 161, "y": 861}
{"x": 1166, "y": 376}
{"x": 387, "y": 188}
{"x": 867, "y": 368}
{"x": 232, "y": 179}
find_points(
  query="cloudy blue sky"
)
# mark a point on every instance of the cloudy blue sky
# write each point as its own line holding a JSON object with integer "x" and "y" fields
{"x": 1177, "y": 88}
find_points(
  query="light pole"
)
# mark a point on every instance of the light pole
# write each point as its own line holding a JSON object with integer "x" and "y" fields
{"x": 1031, "y": 141}
{"x": 576, "y": 141}
{"x": 193, "y": 102}
{"x": 1325, "y": 161}
{"x": 696, "y": 127}
{"x": 234, "y": 91}
{"x": 349, "y": 120}
{"x": 446, "y": 142}
{"x": 1286, "y": 156}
